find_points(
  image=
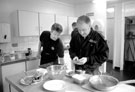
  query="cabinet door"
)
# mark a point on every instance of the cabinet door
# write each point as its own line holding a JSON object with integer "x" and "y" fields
{"x": 70, "y": 21}
{"x": 63, "y": 21}
{"x": 46, "y": 21}
{"x": 11, "y": 69}
{"x": 32, "y": 64}
{"x": 28, "y": 23}
{"x": 5, "y": 35}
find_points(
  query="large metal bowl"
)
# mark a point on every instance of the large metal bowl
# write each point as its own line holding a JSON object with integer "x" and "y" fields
{"x": 56, "y": 71}
{"x": 106, "y": 82}
{"x": 103, "y": 82}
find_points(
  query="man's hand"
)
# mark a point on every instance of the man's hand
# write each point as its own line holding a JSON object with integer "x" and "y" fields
{"x": 82, "y": 61}
{"x": 75, "y": 59}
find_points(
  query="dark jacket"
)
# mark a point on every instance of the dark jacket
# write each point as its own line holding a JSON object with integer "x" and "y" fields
{"x": 94, "y": 47}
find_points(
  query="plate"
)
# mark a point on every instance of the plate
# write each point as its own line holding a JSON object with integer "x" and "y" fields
{"x": 29, "y": 80}
{"x": 54, "y": 85}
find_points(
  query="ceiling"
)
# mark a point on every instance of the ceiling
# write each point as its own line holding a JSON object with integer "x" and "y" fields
{"x": 82, "y": 1}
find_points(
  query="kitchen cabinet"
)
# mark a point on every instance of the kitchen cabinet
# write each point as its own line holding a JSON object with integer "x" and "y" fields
{"x": 34, "y": 23}
{"x": 63, "y": 21}
{"x": 11, "y": 69}
{"x": 70, "y": 21}
{"x": 32, "y": 64}
{"x": 28, "y": 23}
{"x": 46, "y": 21}
{"x": 5, "y": 34}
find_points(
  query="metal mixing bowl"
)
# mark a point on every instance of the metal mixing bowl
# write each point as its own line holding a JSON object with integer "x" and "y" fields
{"x": 106, "y": 83}
{"x": 103, "y": 82}
{"x": 56, "y": 71}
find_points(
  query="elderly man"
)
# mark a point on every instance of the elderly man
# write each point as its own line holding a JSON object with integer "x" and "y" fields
{"x": 88, "y": 49}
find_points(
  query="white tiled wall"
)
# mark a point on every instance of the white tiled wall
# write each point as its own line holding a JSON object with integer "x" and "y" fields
{"x": 22, "y": 44}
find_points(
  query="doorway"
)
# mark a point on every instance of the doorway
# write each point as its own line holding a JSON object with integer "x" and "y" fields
{"x": 129, "y": 48}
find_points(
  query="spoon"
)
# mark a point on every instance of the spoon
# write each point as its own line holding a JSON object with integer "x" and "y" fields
{"x": 100, "y": 79}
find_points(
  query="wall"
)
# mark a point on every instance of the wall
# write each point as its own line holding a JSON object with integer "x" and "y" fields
{"x": 110, "y": 36}
{"x": 117, "y": 35}
{"x": 8, "y": 14}
{"x": 99, "y": 10}
{"x": 110, "y": 29}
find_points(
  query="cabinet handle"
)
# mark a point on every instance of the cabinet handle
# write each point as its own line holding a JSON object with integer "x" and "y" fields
{"x": 5, "y": 36}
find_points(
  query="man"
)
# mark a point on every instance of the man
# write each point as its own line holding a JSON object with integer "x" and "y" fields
{"x": 88, "y": 49}
{"x": 74, "y": 27}
{"x": 50, "y": 46}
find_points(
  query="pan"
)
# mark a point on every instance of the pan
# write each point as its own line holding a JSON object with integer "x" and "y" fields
{"x": 106, "y": 82}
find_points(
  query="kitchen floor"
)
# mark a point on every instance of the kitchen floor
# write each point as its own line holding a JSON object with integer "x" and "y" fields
{"x": 120, "y": 75}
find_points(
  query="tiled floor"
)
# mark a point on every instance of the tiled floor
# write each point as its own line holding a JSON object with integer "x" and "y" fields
{"x": 120, "y": 75}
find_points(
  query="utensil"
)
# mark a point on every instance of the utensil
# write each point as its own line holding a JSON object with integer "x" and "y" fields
{"x": 100, "y": 73}
{"x": 108, "y": 82}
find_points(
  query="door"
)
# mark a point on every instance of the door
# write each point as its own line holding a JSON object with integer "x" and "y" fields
{"x": 46, "y": 21}
{"x": 110, "y": 36}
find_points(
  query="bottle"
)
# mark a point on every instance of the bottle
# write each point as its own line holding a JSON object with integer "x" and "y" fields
{"x": 29, "y": 51}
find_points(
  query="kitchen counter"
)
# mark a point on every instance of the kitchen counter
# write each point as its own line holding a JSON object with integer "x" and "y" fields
{"x": 18, "y": 60}
{"x": 12, "y": 67}
{"x": 23, "y": 59}
{"x": 70, "y": 85}
{"x": 14, "y": 82}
